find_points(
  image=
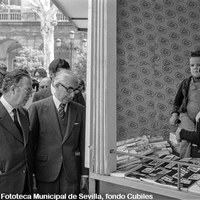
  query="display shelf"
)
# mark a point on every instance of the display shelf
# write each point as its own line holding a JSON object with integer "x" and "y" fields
{"x": 179, "y": 164}
{"x": 147, "y": 187}
{"x": 141, "y": 186}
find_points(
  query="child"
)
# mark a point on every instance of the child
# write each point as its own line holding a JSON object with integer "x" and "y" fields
{"x": 187, "y": 102}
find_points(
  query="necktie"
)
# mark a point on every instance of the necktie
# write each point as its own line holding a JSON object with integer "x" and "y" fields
{"x": 17, "y": 122}
{"x": 61, "y": 110}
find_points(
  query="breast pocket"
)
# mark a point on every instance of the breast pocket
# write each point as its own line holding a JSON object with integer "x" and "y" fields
{"x": 76, "y": 127}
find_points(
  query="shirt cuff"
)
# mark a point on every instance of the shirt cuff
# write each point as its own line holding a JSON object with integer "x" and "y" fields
{"x": 85, "y": 176}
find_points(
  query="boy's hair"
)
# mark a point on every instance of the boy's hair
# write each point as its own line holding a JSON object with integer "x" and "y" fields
{"x": 195, "y": 53}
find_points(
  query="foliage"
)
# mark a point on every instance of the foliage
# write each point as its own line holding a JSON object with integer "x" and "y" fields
{"x": 80, "y": 62}
{"x": 29, "y": 59}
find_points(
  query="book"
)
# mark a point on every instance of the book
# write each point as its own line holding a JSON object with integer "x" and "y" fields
{"x": 133, "y": 175}
{"x": 195, "y": 187}
{"x": 123, "y": 171}
{"x": 129, "y": 163}
{"x": 188, "y": 176}
{"x": 166, "y": 174}
{"x": 155, "y": 139}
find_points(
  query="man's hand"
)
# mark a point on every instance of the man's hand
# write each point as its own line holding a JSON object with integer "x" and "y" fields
{"x": 84, "y": 185}
{"x": 177, "y": 133}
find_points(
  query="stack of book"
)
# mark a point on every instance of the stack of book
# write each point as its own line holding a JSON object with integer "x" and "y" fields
{"x": 137, "y": 146}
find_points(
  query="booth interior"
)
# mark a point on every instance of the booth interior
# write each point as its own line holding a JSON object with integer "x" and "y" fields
{"x": 141, "y": 60}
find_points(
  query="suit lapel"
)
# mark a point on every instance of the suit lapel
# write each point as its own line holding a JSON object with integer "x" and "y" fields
{"x": 7, "y": 122}
{"x": 51, "y": 113}
{"x": 71, "y": 115}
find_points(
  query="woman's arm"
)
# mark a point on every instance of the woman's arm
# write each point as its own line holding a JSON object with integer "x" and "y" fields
{"x": 190, "y": 136}
{"x": 178, "y": 100}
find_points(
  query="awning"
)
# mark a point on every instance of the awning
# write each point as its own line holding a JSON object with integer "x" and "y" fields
{"x": 76, "y": 10}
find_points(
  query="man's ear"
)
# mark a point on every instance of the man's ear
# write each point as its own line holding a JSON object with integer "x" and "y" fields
{"x": 12, "y": 88}
{"x": 51, "y": 75}
{"x": 55, "y": 85}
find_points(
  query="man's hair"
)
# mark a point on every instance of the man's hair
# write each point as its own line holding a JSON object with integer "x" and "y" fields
{"x": 35, "y": 84}
{"x": 3, "y": 67}
{"x": 57, "y": 64}
{"x": 82, "y": 84}
{"x": 62, "y": 76}
{"x": 41, "y": 71}
{"x": 195, "y": 53}
{"x": 1, "y": 79}
{"x": 13, "y": 78}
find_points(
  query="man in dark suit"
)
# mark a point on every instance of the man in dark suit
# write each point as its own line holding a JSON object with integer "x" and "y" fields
{"x": 58, "y": 128}
{"x": 54, "y": 67}
{"x": 15, "y": 158}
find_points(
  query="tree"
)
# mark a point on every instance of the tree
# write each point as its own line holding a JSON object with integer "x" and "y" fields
{"x": 29, "y": 59}
{"x": 48, "y": 20}
{"x": 80, "y": 62}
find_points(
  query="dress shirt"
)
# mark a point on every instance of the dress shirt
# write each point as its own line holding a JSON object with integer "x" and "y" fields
{"x": 53, "y": 90}
{"x": 8, "y": 107}
{"x": 57, "y": 103}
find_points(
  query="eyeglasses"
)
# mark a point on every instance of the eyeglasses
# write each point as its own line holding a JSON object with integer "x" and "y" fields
{"x": 28, "y": 92}
{"x": 44, "y": 86}
{"x": 70, "y": 89}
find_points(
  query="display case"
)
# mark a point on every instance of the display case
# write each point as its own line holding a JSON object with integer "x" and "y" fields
{"x": 123, "y": 188}
{"x": 101, "y": 105}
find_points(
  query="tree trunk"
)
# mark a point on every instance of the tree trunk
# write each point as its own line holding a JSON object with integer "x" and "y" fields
{"x": 48, "y": 48}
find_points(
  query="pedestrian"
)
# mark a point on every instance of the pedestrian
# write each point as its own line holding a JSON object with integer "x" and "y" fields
{"x": 15, "y": 144}
{"x": 58, "y": 129}
{"x": 44, "y": 83}
{"x": 187, "y": 102}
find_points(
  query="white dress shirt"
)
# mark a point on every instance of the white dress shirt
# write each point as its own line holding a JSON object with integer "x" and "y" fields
{"x": 8, "y": 107}
{"x": 57, "y": 103}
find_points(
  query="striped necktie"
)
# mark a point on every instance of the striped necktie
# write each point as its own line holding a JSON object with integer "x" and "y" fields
{"x": 61, "y": 110}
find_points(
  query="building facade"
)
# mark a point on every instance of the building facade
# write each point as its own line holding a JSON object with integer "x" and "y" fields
{"x": 20, "y": 28}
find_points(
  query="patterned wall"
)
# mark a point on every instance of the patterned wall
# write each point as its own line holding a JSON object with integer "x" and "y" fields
{"x": 154, "y": 40}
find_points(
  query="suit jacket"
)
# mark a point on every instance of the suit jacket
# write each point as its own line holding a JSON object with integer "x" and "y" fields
{"x": 42, "y": 94}
{"x": 15, "y": 158}
{"x": 51, "y": 148}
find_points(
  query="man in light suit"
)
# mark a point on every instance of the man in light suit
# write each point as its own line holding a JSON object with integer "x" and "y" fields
{"x": 58, "y": 128}
{"x": 15, "y": 157}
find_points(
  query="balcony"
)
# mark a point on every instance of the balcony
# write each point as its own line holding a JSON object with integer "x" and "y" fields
{"x": 26, "y": 16}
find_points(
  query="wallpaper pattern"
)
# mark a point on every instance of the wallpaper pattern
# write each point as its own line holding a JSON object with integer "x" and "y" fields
{"x": 154, "y": 40}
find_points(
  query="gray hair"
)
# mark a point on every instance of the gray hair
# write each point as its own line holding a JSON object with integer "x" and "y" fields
{"x": 13, "y": 78}
{"x": 63, "y": 75}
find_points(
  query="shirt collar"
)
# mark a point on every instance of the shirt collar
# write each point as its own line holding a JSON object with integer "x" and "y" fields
{"x": 57, "y": 102}
{"x": 8, "y": 107}
{"x": 53, "y": 90}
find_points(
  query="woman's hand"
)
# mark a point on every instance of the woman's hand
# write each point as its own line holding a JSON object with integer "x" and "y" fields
{"x": 173, "y": 119}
